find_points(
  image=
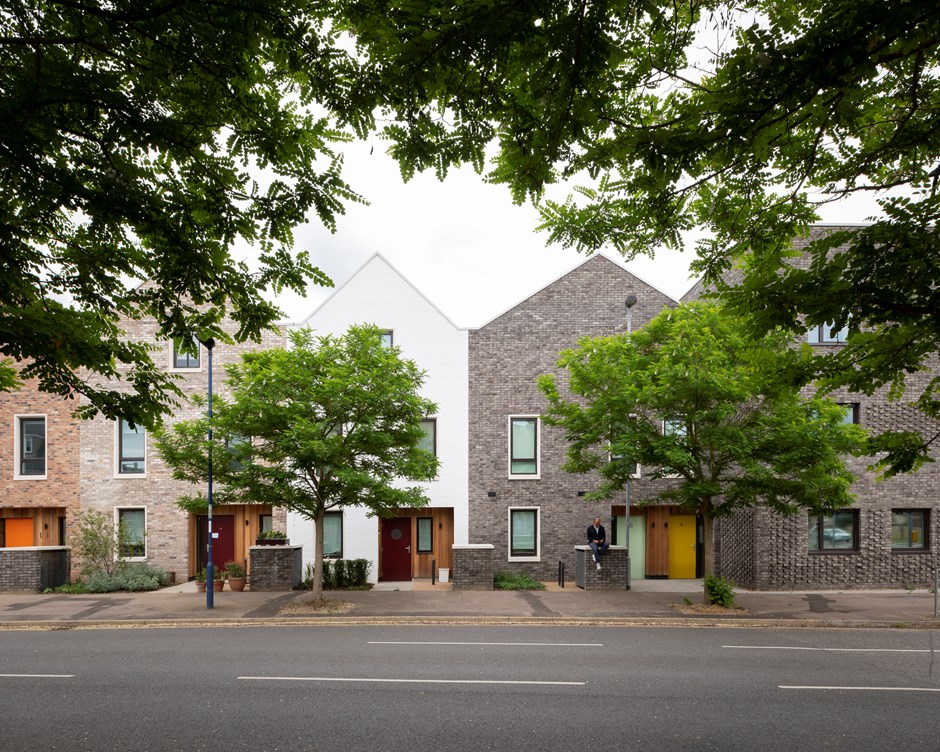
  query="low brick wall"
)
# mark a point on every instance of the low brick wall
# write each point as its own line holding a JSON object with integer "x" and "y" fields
{"x": 275, "y": 567}
{"x": 613, "y": 572}
{"x": 472, "y": 567}
{"x": 34, "y": 568}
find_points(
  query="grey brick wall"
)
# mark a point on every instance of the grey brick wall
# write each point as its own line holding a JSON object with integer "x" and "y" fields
{"x": 275, "y": 567}
{"x": 506, "y": 356}
{"x": 472, "y": 567}
{"x": 762, "y": 550}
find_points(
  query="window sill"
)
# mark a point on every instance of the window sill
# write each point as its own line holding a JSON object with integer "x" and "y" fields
{"x": 910, "y": 551}
{"x": 525, "y": 558}
{"x": 835, "y": 551}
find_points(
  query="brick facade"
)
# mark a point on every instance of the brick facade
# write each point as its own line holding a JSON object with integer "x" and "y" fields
{"x": 170, "y": 531}
{"x": 761, "y": 550}
{"x": 506, "y": 356}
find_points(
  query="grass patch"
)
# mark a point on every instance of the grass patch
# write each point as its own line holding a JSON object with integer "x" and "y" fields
{"x": 516, "y": 581}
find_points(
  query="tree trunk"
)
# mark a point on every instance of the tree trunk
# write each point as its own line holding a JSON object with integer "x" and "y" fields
{"x": 318, "y": 556}
{"x": 708, "y": 547}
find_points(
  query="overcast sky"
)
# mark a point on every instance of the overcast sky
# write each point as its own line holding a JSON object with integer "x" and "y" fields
{"x": 462, "y": 242}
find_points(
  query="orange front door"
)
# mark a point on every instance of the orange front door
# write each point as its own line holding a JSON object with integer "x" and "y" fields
{"x": 19, "y": 532}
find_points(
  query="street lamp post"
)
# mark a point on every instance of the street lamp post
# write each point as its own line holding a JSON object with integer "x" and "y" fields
{"x": 210, "y": 571}
{"x": 629, "y": 303}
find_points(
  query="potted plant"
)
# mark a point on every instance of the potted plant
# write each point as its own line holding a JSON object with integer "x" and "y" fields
{"x": 218, "y": 579}
{"x": 271, "y": 538}
{"x": 236, "y": 575}
{"x": 201, "y": 581}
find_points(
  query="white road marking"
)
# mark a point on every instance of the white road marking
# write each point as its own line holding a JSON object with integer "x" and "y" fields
{"x": 500, "y": 644}
{"x": 406, "y": 681}
{"x": 866, "y": 689}
{"x": 830, "y": 650}
{"x": 36, "y": 676}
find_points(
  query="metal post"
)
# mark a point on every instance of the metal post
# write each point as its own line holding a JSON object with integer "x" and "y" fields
{"x": 433, "y": 571}
{"x": 936, "y": 581}
{"x": 630, "y": 302}
{"x": 210, "y": 572}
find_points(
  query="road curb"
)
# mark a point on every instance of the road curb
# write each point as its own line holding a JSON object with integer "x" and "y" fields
{"x": 553, "y": 621}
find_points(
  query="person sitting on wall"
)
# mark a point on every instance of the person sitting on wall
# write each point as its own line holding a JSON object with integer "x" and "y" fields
{"x": 597, "y": 540}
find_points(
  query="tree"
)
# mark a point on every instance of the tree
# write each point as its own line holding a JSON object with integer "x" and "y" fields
{"x": 741, "y": 121}
{"x": 691, "y": 396}
{"x": 333, "y": 422}
{"x": 146, "y": 143}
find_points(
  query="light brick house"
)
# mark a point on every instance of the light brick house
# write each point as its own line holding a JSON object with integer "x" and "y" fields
{"x": 415, "y": 542}
{"x": 122, "y": 475}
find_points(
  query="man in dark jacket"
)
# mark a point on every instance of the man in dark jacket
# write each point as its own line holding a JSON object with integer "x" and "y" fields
{"x": 597, "y": 540}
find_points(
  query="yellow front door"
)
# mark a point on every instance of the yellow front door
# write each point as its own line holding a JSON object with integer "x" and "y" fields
{"x": 682, "y": 547}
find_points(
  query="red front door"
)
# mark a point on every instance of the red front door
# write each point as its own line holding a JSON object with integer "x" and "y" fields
{"x": 223, "y": 540}
{"x": 396, "y": 549}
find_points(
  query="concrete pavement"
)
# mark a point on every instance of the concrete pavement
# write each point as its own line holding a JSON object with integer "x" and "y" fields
{"x": 661, "y": 602}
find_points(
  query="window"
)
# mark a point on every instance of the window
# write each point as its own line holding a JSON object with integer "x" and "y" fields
{"x": 266, "y": 523}
{"x": 131, "y": 449}
{"x": 673, "y": 427}
{"x": 429, "y": 442}
{"x": 238, "y": 449}
{"x": 186, "y": 353}
{"x": 30, "y": 447}
{"x": 835, "y": 532}
{"x": 909, "y": 529}
{"x": 524, "y": 534}
{"x": 425, "y": 535}
{"x": 827, "y": 334}
{"x": 851, "y": 412}
{"x": 524, "y": 447}
{"x": 386, "y": 336}
{"x": 333, "y": 535}
{"x": 132, "y": 527}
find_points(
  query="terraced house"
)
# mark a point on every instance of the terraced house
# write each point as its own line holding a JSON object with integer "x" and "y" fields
{"x": 501, "y": 482}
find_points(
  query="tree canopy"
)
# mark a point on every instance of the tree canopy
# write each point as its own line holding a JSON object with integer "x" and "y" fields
{"x": 146, "y": 143}
{"x": 331, "y": 422}
{"x": 741, "y": 121}
{"x": 691, "y": 397}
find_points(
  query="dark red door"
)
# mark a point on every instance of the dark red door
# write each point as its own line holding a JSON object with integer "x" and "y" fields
{"x": 396, "y": 549}
{"x": 223, "y": 540}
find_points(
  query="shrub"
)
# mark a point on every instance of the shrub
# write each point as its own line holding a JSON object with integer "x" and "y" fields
{"x": 720, "y": 591}
{"x": 516, "y": 581}
{"x": 132, "y": 578}
{"x": 69, "y": 588}
{"x": 341, "y": 574}
{"x": 357, "y": 571}
{"x": 97, "y": 543}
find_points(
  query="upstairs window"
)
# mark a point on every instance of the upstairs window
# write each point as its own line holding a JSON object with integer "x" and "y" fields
{"x": 131, "y": 449}
{"x": 523, "y": 447}
{"x": 186, "y": 354}
{"x": 429, "y": 442}
{"x": 827, "y": 334}
{"x": 31, "y": 447}
{"x": 386, "y": 337}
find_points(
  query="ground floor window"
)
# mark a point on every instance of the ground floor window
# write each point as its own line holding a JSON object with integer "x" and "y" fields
{"x": 333, "y": 535}
{"x": 524, "y": 533}
{"x": 834, "y": 532}
{"x": 909, "y": 529}
{"x": 132, "y": 524}
{"x": 425, "y": 535}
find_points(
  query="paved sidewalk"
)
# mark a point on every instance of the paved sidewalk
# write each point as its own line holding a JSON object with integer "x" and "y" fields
{"x": 648, "y": 602}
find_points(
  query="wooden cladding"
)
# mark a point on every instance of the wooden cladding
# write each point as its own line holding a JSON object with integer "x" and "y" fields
{"x": 442, "y": 540}
{"x": 39, "y": 526}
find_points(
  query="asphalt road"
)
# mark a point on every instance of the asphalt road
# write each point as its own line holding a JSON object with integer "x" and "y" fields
{"x": 469, "y": 688}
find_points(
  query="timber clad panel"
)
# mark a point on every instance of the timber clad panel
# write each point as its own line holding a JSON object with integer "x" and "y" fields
{"x": 442, "y": 540}
{"x": 657, "y": 541}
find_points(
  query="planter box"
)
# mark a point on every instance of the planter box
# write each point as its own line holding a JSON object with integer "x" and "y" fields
{"x": 272, "y": 541}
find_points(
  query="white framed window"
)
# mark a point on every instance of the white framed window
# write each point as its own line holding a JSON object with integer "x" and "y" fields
{"x": 333, "y": 535}
{"x": 131, "y": 450}
{"x": 429, "y": 442}
{"x": 131, "y": 522}
{"x": 674, "y": 427}
{"x": 524, "y": 454}
{"x": 827, "y": 334}
{"x": 524, "y": 542}
{"x": 186, "y": 355}
{"x": 29, "y": 447}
